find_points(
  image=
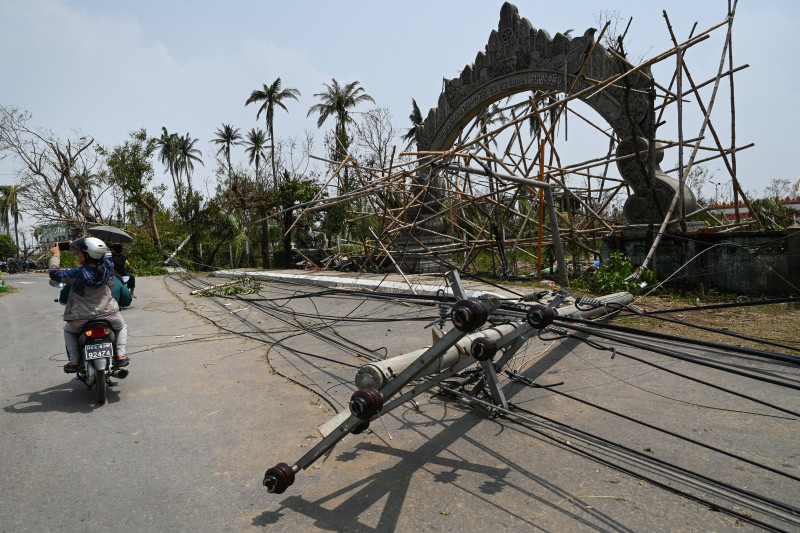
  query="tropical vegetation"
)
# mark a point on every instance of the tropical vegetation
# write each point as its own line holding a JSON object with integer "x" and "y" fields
{"x": 243, "y": 209}
{"x": 241, "y": 212}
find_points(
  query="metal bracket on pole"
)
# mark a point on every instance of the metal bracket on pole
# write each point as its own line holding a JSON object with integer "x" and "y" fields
{"x": 408, "y": 375}
{"x": 454, "y": 280}
{"x": 490, "y": 376}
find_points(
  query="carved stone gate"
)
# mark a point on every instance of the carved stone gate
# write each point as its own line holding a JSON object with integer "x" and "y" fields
{"x": 520, "y": 58}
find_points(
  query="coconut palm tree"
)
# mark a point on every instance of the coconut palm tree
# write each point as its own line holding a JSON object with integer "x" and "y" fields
{"x": 255, "y": 143}
{"x": 416, "y": 120}
{"x": 187, "y": 155}
{"x": 272, "y": 95}
{"x": 227, "y": 137}
{"x": 539, "y": 99}
{"x": 491, "y": 116}
{"x": 168, "y": 155}
{"x": 254, "y": 147}
{"x": 9, "y": 209}
{"x": 337, "y": 100}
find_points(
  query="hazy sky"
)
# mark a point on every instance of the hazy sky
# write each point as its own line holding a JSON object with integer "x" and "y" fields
{"x": 107, "y": 67}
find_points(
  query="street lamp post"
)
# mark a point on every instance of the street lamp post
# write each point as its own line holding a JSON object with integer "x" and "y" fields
{"x": 716, "y": 191}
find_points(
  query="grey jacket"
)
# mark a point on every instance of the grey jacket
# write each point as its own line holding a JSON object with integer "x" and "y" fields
{"x": 95, "y": 302}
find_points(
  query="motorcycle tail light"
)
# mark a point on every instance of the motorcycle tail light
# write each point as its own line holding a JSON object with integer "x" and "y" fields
{"x": 98, "y": 332}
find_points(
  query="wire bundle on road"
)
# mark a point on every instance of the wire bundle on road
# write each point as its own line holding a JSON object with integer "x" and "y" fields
{"x": 765, "y": 379}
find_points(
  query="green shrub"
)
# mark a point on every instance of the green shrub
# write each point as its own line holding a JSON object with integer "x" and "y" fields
{"x": 611, "y": 275}
{"x": 7, "y": 247}
{"x": 144, "y": 258}
{"x": 146, "y": 268}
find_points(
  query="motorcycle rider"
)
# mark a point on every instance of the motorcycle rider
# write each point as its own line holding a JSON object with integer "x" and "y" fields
{"x": 90, "y": 296}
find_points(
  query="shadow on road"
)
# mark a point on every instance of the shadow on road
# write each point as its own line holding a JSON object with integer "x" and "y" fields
{"x": 69, "y": 397}
{"x": 394, "y": 483}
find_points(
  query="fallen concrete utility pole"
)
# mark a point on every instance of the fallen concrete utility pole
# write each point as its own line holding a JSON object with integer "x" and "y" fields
{"x": 380, "y": 373}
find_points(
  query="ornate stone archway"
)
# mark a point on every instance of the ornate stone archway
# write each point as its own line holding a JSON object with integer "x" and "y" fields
{"x": 520, "y": 58}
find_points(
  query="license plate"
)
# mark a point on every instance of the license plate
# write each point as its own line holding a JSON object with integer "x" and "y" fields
{"x": 98, "y": 351}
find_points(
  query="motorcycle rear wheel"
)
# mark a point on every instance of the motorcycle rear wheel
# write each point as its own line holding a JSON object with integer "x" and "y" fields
{"x": 101, "y": 382}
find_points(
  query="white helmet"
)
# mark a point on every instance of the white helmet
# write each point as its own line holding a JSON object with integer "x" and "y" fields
{"x": 91, "y": 246}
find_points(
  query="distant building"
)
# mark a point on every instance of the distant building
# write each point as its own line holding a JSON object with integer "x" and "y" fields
{"x": 728, "y": 210}
{"x": 54, "y": 233}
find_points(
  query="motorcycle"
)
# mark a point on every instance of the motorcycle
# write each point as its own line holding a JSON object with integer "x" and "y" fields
{"x": 97, "y": 347}
{"x": 98, "y": 364}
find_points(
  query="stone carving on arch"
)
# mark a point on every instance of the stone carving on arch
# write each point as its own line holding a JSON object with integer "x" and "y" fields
{"x": 518, "y": 58}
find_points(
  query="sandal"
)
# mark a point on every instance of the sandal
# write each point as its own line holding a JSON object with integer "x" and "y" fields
{"x": 72, "y": 367}
{"x": 123, "y": 361}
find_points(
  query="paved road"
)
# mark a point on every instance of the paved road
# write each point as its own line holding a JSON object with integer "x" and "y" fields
{"x": 183, "y": 442}
{"x": 179, "y": 446}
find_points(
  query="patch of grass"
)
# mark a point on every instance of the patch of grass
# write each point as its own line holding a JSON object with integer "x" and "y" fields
{"x": 8, "y": 289}
{"x": 775, "y": 322}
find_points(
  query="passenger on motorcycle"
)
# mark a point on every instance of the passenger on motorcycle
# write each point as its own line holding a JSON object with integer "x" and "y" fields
{"x": 90, "y": 296}
{"x": 122, "y": 267}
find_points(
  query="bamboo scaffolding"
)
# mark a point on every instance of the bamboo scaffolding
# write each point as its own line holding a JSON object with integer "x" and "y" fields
{"x": 706, "y": 122}
{"x": 449, "y": 208}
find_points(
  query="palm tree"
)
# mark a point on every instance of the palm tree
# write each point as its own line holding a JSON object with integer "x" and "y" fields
{"x": 337, "y": 100}
{"x": 168, "y": 155}
{"x": 9, "y": 209}
{"x": 178, "y": 155}
{"x": 254, "y": 146}
{"x": 416, "y": 120}
{"x": 272, "y": 95}
{"x": 227, "y": 136}
{"x": 490, "y": 116}
{"x": 187, "y": 154}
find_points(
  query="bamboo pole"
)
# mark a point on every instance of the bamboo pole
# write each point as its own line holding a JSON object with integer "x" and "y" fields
{"x": 410, "y": 286}
{"x": 731, "y": 171}
{"x": 733, "y": 110}
{"x": 706, "y": 121}
{"x": 541, "y": 212}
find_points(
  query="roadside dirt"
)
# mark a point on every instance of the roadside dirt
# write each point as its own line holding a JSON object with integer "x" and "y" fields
{"x": 686, "y": 316}
{"x": 777, "y": 323}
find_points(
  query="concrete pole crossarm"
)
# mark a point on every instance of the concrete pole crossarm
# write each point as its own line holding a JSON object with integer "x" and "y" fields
{"x": 381, "y": 373}
{"x": 351, "y": 422}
